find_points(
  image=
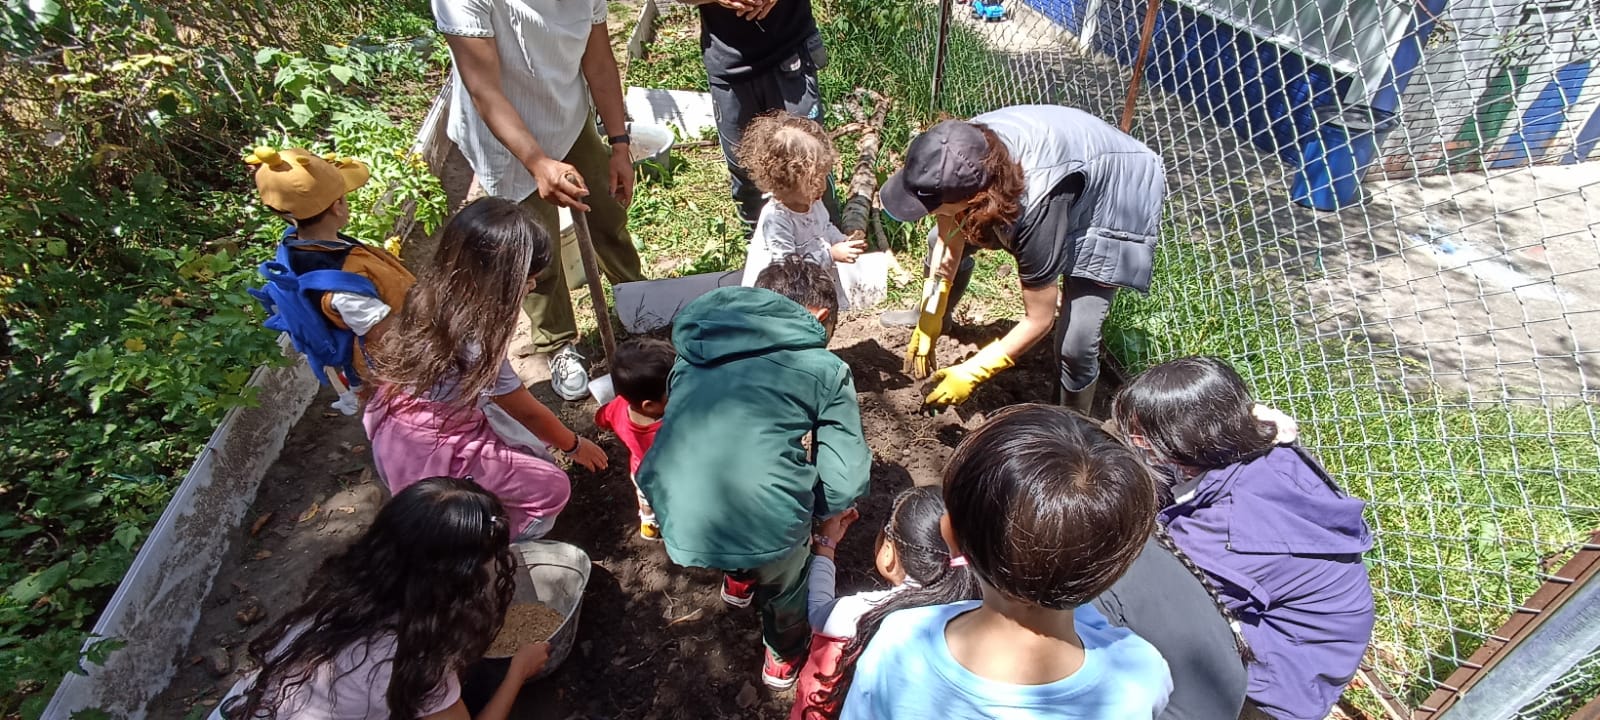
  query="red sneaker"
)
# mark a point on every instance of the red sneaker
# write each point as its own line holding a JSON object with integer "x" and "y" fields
{"x": 780, "y": 674}
{"x": 737, "y": 593}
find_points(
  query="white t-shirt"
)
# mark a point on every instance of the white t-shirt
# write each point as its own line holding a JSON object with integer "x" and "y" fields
{"x": 361, "y": 313}
{"x": 541, "y": 44}
{"x": 837, "y": 616}
{"x": 781, "y": 231}
{"x": 355, "y": 686}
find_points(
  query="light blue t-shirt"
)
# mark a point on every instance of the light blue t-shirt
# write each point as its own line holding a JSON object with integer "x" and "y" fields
{"x": 908, "y": 672}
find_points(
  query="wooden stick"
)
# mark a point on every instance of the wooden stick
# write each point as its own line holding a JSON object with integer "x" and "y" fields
{"x": 1145, "y": 34}
{"x": 591, "y": 271}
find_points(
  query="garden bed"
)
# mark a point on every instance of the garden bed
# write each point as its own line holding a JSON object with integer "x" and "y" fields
{"x": 656, "y": 641}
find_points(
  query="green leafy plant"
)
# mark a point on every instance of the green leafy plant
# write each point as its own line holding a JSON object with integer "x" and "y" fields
{"x": 129, "y": 236}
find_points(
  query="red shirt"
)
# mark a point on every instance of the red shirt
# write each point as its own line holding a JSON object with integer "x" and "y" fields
{"x": 637, "y": 438}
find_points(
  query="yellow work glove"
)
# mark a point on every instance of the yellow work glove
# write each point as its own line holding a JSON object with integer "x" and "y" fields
{"x": 957, "y": 382}
{"x": 919, "y": 354}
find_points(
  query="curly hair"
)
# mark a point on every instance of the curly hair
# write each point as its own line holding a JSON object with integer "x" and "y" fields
{"x": 784, "y": 153}
{"x": 987, "y": 221}
{"x": 435, "y": 572}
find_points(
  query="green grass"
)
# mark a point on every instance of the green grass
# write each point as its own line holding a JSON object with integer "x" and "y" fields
{"x": 1471, "y": 503}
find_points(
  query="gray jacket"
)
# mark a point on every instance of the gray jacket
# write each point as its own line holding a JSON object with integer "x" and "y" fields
{"x": 1116, "y": 219}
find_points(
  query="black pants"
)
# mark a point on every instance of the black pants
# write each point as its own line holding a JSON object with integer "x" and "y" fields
{"x": 790, "y": 86}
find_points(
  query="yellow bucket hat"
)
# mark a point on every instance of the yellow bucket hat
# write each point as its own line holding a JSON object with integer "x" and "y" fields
{"x": 301, "y": 183}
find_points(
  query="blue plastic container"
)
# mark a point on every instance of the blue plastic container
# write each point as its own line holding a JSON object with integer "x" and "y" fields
{"x": 1335, "y": 157}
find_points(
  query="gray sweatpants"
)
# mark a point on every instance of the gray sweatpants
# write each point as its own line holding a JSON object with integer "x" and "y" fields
{"x": 792, "y": 87}
{"x": 1084, "y": 306}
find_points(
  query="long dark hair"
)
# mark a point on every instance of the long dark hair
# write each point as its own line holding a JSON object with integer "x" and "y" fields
{"x": 1048, "y": 508}
{"x": 1246, "y": 656}
{"x": 435, "y": 570}
{"x": 913, "y": 527}
{"x": 1193, "y": 411}
{"x": 998, "y": 205}
{"x": 465, "y": 302}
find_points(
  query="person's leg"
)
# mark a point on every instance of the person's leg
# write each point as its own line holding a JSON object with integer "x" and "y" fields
{"x": 734, "y": 105}
{"x": 549, "y": 306}
{"x": 958, "y": 288}
{"x": 608, "y": 219}
{"x": 794, "y": 88}
{"x": 1084, "y": 305}
{"x": 781, "y": 597}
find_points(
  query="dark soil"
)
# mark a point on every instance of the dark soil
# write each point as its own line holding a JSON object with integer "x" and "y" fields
{"x": 654, "y": 640}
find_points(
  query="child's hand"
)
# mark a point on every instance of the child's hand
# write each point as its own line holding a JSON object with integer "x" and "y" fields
{"x": 835, "y": 527}
{"x": 589, "y": 455}
{"x": 849, "y": 250}
{"x": 529, "y": 660}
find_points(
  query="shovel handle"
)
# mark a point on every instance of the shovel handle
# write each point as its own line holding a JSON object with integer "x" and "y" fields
{"x": 591, "y": 271}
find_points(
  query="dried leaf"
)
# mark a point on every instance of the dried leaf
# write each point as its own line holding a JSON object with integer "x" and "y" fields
{"x": 347, "y": 509}
{"x": 310, "y": 512}
{"x": 261, "y": 522}
{"x": 264, "y": 554}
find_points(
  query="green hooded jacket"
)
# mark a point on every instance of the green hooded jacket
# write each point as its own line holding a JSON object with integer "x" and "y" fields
{"x": 728, "y": 475}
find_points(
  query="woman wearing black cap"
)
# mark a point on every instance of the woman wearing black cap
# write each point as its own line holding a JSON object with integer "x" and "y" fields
{"x": 1075, "y": 201}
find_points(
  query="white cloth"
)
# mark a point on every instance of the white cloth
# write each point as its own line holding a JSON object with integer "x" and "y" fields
{"x": 541, "y": 44}
{"x": 361, "y": 313}
{"x": 1288, "y": 429}
{"x": 354, "y": 686}
{"x": 781, "y": 231}
{"x": 837, "y": 616}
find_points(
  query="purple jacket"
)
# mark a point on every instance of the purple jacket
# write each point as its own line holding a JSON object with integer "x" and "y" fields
{"x": 1285, "y": 545}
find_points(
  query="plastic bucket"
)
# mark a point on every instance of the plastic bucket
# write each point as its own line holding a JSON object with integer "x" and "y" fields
{"x": 555, "y": 574}
{"x": 651, "y": 148}
{"x": 1332, "y": 162}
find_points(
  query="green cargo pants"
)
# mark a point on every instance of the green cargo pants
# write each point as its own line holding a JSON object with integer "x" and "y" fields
{"x": 549, "y": 306}
{"x": 781, "y": 599}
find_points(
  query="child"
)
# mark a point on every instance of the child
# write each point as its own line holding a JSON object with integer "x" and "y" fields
{"x": 910, "y": 555}
{"x": 1266, "y": 522}
{"x": 1174, "y": 606}
{"x": 639, "y": 375}
{"x": 1048, "y": 511}
{"x": 443, "y": 364}
{"x": 387, "y": 623}
{"x": 369, "y": 285}
{"x": 730, "y": 475}
{"x": 789, "y": 158}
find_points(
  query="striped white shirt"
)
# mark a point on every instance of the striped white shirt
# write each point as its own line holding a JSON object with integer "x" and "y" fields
{"x": 541, "y": 44}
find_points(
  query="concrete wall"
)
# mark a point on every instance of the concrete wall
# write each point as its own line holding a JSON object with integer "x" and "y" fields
{"x": 157, "y": 606}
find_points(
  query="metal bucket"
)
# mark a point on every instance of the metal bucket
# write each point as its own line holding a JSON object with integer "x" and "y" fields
{"x": 554, "y": 574}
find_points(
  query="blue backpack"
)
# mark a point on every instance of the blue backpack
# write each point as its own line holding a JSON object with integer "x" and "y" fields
{"x": 294, "y": 306}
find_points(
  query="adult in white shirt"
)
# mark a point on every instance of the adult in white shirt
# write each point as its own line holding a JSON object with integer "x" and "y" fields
{"x": 525, "y": 71}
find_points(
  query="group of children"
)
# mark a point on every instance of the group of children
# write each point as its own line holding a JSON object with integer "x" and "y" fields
{"x": 1029, "y": 583}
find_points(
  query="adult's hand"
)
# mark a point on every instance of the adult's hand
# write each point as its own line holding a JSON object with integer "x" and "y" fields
{"x": 956, "y": 383}
{"x": 622, "y": 178}
{"x": 745, "y": 9}
{"x": 920, "y": 358}
{"x": 560, "y": 184}
{"x": 764, "y": 9}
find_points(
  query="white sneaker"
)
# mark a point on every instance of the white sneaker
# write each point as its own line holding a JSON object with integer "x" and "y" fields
{"x": 568, "y": 377}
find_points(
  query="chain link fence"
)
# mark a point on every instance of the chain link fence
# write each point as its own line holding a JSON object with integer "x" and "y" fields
{"x": 1384, "y": 212}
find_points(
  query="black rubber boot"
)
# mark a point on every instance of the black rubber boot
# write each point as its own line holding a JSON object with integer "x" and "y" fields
{"x": 1081, "y": 400}
{"x": 958, "y": 288}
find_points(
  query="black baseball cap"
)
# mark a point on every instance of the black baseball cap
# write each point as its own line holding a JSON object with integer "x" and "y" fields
{"x": 943, "y": 165}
